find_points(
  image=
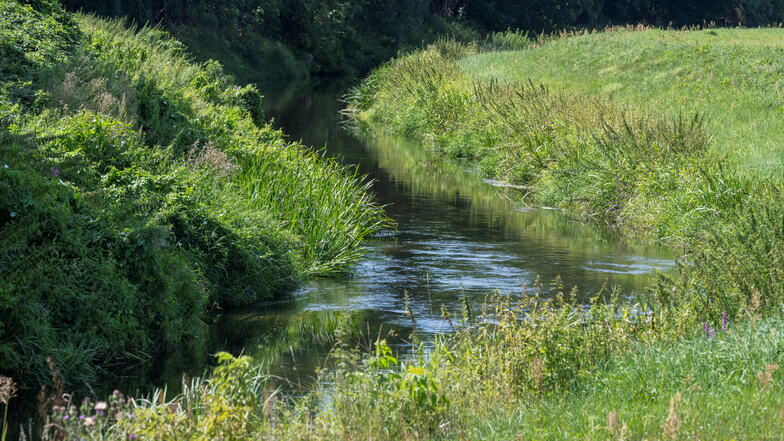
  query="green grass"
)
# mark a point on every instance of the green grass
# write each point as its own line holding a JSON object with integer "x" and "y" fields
{"x": 730, "y": 76}
{"x": 650, "y": 129}
{"x": 564, "y": 373}
{"x": 652, "y": 166}
{"x": 140, "y": 192}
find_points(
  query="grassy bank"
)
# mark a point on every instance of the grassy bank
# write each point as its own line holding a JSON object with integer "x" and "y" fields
{"x": 139, "y": 191}
{"x": 569, "y": 372}
{"x": 729, "y": 76}
{"x": 650, "y": 165}
{"x": 653, "y": 130}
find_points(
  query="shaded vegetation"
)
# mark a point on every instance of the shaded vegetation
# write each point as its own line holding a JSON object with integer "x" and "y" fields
{"x": 269, "y": 41}
{"x": 139, "y": 191}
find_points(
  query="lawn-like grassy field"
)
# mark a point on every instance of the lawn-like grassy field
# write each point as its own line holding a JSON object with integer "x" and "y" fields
{"x": 731, "y": 76}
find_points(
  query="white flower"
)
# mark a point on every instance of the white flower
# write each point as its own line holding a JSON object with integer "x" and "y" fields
{"x": 5, "y": 165}
{"x": 13, "y": 214}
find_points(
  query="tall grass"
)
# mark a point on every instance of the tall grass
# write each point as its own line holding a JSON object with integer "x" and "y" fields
{"x": 618, "y": 164}
{"x": 141, "y": 191}
{"x": 563, "y": 371}
{"x": 315, "y": 198}
{"x": 652, "y": 173}
{"x": 653, "y": 170}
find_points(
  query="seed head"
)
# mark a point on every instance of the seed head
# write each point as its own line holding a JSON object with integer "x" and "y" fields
{"x": 7, "y": 389}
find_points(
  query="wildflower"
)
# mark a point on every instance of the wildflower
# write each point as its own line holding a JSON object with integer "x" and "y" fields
{"x": 5, "y": 165}
{"x": 66, "y": 417}
{"x": 132, "y": 436}
{"x": 89, "y": 421}
{"x": 100, "y": 407}
{"x": 13, "y": 214}
{"x": 54, "y": 171}
{"x": 707, "y": 329}
{"x": 724, "y": 321}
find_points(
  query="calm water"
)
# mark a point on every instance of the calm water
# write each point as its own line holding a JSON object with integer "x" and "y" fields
{"x": 458, "y": 239}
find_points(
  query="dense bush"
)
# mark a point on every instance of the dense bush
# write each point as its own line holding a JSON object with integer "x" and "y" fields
{"x": 140, "y": 191}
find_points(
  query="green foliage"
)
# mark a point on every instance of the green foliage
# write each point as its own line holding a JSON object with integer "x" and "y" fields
{"x": 615, "y": 164}
{"x": 655, "y": 170}
{"x": 267, "y": 41}
{"x": 381, "y": 396}
{"x": 599, "y": 372}
{"x": 140, "y": 191}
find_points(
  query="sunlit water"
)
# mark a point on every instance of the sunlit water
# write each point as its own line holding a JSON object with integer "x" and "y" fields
{"x": 458, "y": 240}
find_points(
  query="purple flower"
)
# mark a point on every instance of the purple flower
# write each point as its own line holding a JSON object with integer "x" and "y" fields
{"x": 132, "y": 436}
{"x": 66, "y": 417}
{"x": 81, "y": 417}
{"x": 712, "y": 333}
{"x": 724, "y": 321}
{"x": 55, "y": 171}
{"x": 707, "y": 329}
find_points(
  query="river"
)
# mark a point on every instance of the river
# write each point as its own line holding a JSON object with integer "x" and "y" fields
{"x": 459, "y": 239}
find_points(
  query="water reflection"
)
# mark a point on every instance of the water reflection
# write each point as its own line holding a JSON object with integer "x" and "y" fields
{"x": 458, "y": 240}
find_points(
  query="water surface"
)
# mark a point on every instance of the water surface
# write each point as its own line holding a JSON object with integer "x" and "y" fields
{"x": 458, "y": 240}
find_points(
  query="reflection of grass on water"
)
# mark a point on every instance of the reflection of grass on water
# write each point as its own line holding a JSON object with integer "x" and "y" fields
{"x": 302, "y": 341}
{"x": 427, "y": 173}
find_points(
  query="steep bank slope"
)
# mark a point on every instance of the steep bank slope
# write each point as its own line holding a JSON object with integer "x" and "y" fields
{"x": 140, "y": 190}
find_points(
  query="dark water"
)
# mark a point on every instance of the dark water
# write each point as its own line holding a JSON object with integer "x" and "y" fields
{"x": 458, "y": 240}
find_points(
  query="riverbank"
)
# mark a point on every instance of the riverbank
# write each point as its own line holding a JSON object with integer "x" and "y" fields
{"x": 598, "y": 373}
{"x": 653, "y": 155}
{"x": 703, "y": 348}
{"x": 651, "y": 130}
{"x": 140, "y": 192}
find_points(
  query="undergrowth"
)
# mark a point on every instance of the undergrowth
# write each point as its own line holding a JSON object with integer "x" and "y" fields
{"x": 527, "y": 368}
